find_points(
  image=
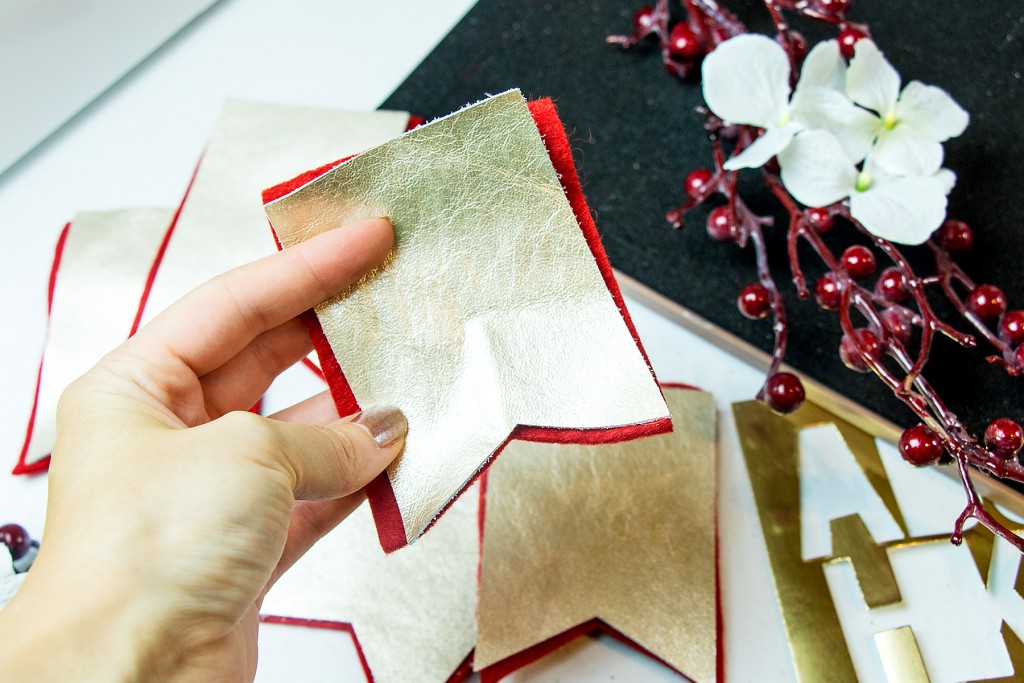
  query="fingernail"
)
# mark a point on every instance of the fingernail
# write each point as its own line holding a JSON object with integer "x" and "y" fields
{"x": 386, "y": 424}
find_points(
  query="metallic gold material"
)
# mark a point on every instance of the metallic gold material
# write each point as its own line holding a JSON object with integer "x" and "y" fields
{"x": 386, "y": 424}
{"x": 1015, "y": 648}
{"x": 815, "y": 636}
{"x": 254, "y": 146}
{"x": 103, "y": 270}
{"x": 851, "y": 540}
{"x": 622, "y": 532}
{"x": 412, "y": 611}
{"x": 817, "y": 644}
{"x": 901, "y": 657}
{"x": 492, "y": 312}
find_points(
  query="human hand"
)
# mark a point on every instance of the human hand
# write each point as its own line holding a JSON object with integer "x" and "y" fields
{"x": 171, "y": 510}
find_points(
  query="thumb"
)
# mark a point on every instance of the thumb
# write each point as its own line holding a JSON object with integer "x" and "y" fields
{"x": 334, "y": 460}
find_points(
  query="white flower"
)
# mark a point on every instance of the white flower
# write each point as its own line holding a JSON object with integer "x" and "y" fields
{"x": 817, "y": 172}
{"x": 911, "y": 125}
{"x": 746, "y": 81}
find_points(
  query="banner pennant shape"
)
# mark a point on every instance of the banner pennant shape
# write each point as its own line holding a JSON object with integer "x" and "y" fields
{"x": 411, "y": 613}
{"x": 619, "y": 536}
{"x": 497, "y": 315}
{"x": 99, "y": 272}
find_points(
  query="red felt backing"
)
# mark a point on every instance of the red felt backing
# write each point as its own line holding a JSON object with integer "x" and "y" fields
{"x": 460, "y": 674}
{"x": 386, "y": 513}
{"x": 22, "y": 467}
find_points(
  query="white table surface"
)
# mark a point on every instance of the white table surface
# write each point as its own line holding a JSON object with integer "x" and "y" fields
{"x": 137, "y": 146}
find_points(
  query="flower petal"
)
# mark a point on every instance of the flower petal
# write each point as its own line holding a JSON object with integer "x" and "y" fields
{"x": 947, "y": 178}
{"x": 825, "y": 109}
{"x": 824, "y": 67}
{"x": 815, "y": 169}
{"x": 871, "y": 81}
{"x": 932, "y": 111}
{"x": 746, "y": 80}
{"x": 906, "y": 151}
{"x": 762, "y": 149}
{"x": 907, "y": 210}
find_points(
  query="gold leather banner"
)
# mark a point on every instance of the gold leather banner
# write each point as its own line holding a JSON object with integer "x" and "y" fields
{"x": 624, "y": 533}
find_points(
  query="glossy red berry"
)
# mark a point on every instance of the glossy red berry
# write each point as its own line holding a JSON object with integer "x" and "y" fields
{"x": 683, "y": 42}
{"x": 695, "y": 182}
{"x": 828, "y": 291}
{"x": 837, "y": 7}
{"x": 920, "y": 446}
{"x": 890, "y": 286}
{"x": 897, "y": 322}
{"x": 754, "y": 301}
{"x": 1004, "y": 438}
{"x": 858, "y": 262}
{"x": 784, "y": 392}
{"x": 848, "y": 38}
{"x": 643, "y": 20}
{"x": 954, "y": 235}
{"x": 855, "y": 354}
{"x": 16, "y": 539}
{"x": 720, "y": 224}
{"x": 820, "y": 219}
{"x": 1018, "y": 356}
{"x": 987, "y": 301}
{"x": 1011, "y": 327}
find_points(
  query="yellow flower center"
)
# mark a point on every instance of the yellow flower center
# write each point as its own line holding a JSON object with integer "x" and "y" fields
{"x": 890, "y": 120}
{"x": 863, "y": 181}
{"x": 784, "y": 118}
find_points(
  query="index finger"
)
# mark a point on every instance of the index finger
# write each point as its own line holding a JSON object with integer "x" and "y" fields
{"x": 219, "y": 318}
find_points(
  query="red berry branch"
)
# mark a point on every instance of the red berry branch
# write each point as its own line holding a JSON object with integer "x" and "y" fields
{"x": 889, "y": 326}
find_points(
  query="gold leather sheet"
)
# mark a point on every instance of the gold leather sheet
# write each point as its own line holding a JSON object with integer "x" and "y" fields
{"x": 492, "y": 311}
{"x": 412, "y": 610}
{"x": 254, "y": 146}
{"x": 621, "y": 532}
{"x": 103, "y": 271}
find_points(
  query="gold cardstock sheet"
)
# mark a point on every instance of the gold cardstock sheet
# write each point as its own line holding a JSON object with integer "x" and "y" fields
{"x": 222, "y": 224}
{"x": 880, "y": 621}
{"x": 624, "y": 533}
{"x": 103, "y": 269}
{"x": 412, "y": 611}
{"x": 492, "y": 312}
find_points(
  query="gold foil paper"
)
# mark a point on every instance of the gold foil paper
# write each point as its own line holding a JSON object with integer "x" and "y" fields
{"x": 818, "y": 645}
{"x": 103, "y": 271}
{"x": 492, "y": 312}
{"x": 254, "y": 145}
{"x": 623, "y": 532}
{"x": 412, "y": 611}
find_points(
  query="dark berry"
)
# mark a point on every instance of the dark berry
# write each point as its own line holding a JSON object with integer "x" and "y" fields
{"x": 784, "y": 392}
{"x": 16, "y": 539}
{"x": 920, "y": 446}
{"x": 695, "y": 182}
{"x": 720, "y": 224}
{"x": 848, "y": 38}
{"x": 1018, "y": 356}
{"x": 828, "y": 291}
{"x": 643, "y": 20}
{"x": 836, "y": 7}
{"x": 898, "y": 323}
{"x": 858, "y": 262}
{"x": 855, "y": 354}
{"x": 820, "y": 219}
{"x": 987, "y": 301}
{"x": 1004, "y": 438}
{"x": 683, "y": 42}
{"x": 890, "y": 286}
{"x": 955, "y": 235}
{"x": 1011, "y": 327}
{"x": 754, "y": 301}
